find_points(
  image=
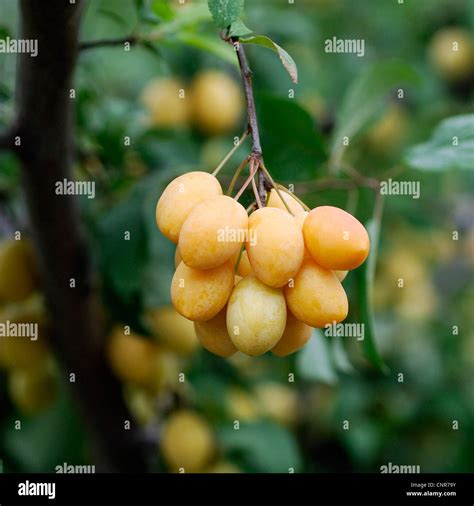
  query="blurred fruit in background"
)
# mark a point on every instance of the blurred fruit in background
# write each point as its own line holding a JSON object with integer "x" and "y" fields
{"x": 212, "y": 103}
{"x": 136, "y": 359}
{"x": 217, "y": 103}
{"x": 213, "y": 151}
{"x": 187, "y": 442}
{"x": 451, "y": 52}
{"x": 278, "y": 402}
{"x": 223, "y": 467}
{"x": 18, "y": 276}
{"x": 389, "y": 131}
{"x": 33, "y": 389}
{"x": 166, "y": 103}
{"x": 173, "y": 330}
{"x": 242, "y": 405}
{"x": 24, "y": 352}
{"x": 141, "y": 403}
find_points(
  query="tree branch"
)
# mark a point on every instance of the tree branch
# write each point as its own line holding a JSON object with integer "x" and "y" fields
{"x": 45, "y": 114}
{"x": 93, "y": 44}
{"x": 257, "y": 154}
{"x": 7, "y": 139}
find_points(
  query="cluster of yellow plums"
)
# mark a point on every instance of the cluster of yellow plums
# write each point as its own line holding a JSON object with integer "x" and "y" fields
{"x": 260, "y": 282}
{"x": 28, "y": 362}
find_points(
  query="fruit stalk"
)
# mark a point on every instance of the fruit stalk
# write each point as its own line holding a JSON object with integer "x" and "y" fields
{"x": 257, "y": 154}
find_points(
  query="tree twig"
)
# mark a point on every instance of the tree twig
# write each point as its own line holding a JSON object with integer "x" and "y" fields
{"x": 256, "y": 154}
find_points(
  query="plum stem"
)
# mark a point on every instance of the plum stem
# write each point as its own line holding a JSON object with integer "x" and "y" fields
{"x": 256, "y": 154}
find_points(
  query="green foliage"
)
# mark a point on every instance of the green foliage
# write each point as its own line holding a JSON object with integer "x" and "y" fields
{"x": 162, "y": 10}
{"x": 159, "y": 267}
{"x": 238, "y": 29}
{"x": 45, "y": 440}
{"x": 451, "y": 147}
{"x": 264, "y": 446}
{"x": 285, "y": 58}
{"x": 292, "y": 146}
{"x": 4, "y": 32}
{"x": 209, "y": 44}
{"x": 365, "y": 277}
{"x": 225, "y": 12}
{"x": 314, "y": 360}
{"x": 365, "y": 98}
{"x": 138, "y": 270}
{"x": 123, "y": 258}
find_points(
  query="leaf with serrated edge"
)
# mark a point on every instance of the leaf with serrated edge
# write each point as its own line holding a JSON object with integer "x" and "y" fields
{"x": 286, "y": 59}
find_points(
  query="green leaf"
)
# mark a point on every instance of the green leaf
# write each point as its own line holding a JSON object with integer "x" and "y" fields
{"x": 187, "y": 17}
{"x": 286, "y": 59}
{"x": 451, "y": 147}
{"x": 365, "y": 98}
{"x": 292, "y": 146}
{"x": 4, "y": 32}
{"x": 112, "y": 15}
{"x": 162, "y": 10}
{"x": 225, "y": 12}
{"x": 238, "y": 29}
{"x": 212, "y": 45}
{"x": 264, "y": 445}
{"x": 365, "y": 277}
{"x": 122, "y": 260}
{"x": 339, "y": 356}
{"x": 47, "y": 439}
{"x": 158, "y": 270}
{"x": 314, "y": 361}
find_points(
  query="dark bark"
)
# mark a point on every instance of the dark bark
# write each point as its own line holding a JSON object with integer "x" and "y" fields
{"x": 263, "y": 184}
{"x": 45, "y": 117}
{"x": 7, "y": 139}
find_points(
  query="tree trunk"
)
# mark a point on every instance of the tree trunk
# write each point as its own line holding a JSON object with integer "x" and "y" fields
{"x": 44, "y": 124}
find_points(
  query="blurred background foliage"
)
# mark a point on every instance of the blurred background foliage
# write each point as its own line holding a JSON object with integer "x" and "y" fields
{"x": 297, "y": 425}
